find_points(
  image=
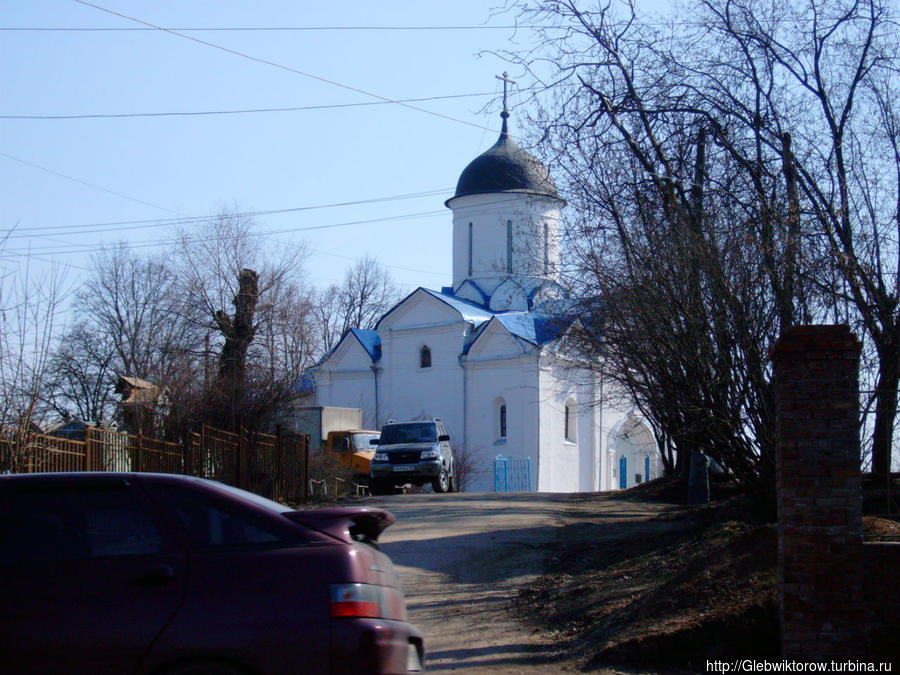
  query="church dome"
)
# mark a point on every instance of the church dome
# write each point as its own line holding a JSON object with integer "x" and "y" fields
{"x": 505, "y": 167}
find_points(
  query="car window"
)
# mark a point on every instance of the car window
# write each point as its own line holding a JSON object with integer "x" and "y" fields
{"x": 420, "y": 432}
{"x": 361, "y": 441}
{"x": 77, "y": 523}
{"x": 209, "y": 523}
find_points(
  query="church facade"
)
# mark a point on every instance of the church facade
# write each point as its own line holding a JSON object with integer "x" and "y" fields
{"x": 483, "y": 354}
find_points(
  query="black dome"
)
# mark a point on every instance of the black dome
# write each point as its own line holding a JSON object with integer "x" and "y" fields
{"x": 505, "y": 167}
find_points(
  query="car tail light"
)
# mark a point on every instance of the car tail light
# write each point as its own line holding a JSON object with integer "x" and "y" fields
{"x": 367, "y": 601}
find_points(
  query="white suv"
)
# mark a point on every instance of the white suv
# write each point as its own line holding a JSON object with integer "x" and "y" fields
{"x": 415, "y": 452}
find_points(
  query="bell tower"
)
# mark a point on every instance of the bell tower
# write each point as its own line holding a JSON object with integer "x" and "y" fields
{"x": 505, "y": 216}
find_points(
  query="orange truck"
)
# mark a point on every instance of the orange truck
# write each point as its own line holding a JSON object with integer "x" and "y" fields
{"x": 353, "y": 449}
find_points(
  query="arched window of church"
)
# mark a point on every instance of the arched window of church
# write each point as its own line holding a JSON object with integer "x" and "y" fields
{"x": 569, "y": 423}
{"x": 425, "y": 357}
{"x": 502, "y": 420}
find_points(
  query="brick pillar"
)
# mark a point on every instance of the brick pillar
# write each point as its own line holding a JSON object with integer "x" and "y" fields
{"x": 816, "y": 374}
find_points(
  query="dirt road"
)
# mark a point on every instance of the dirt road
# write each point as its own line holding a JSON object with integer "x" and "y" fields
{"x": 463, "y": 557}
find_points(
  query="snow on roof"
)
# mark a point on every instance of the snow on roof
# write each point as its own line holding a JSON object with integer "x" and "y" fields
{"x": 533, "y": 327}
{"x": 468, "y": 310}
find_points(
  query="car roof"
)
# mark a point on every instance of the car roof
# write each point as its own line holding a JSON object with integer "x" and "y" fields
{"x": 75, "y": 477}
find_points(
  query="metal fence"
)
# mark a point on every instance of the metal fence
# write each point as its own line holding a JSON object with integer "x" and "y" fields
{"x": 272, "y": 465}
{"x": 512, "y": 474}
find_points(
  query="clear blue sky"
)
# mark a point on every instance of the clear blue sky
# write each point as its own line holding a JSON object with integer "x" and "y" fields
{"x": 61, "y": 173}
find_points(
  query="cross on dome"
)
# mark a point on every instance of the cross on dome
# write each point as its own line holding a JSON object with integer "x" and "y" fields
{"x": 505, "y": 113}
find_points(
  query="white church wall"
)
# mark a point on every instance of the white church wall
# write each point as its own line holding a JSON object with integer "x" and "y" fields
{"x": 349, "y": 390}
{"x": 559, "y": 457}
{"x": 406, "y": 390}
{"x": 514, "y": 382}
{"x": 420, "y": 309}
{"x": 589, "y": 431}
{"x": 346, "y": 380}
{"x": 488, "y": 215}
{"x": 570, "y": 461}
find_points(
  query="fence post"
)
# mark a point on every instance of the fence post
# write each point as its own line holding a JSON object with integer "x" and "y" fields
{"x": 243, "y": 450}
{"x": 186, "y": 453}
{"x": 89, "y": 448}
{"x": 139, "y": 464}
{"x": 528, "y": 460}
{"x": 278, "y": 466}
{"x": 821, "y": 599}
{"x": 305, "y": 488}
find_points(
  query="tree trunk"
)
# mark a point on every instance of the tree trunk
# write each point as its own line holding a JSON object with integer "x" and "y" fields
{"x": 885, "y": 406}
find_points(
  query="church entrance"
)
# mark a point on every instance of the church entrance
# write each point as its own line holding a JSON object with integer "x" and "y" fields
{"x": 633, "y": 454}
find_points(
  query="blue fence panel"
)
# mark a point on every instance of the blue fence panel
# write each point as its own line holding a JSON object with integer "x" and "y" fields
{"x": 511, "y": 474}
{"x": 501, "y": 474}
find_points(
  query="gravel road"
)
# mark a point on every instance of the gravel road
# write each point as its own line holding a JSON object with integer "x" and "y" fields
{"x": 463, "y": 557}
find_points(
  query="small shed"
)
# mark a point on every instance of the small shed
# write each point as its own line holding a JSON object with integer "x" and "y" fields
{"x": 139, "y": 404}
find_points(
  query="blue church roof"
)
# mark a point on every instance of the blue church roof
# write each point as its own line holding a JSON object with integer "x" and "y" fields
{"x": 469, "y": 310}
{"x": 535, "y": 328}
{"x": 370, "y": 341}
{"x": 305, "y": 384}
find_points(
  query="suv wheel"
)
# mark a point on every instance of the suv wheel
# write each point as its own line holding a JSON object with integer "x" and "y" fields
{"x": 442, "y": 482}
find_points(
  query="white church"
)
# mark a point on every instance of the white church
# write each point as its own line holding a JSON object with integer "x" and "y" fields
{"x": 483, "y": 354}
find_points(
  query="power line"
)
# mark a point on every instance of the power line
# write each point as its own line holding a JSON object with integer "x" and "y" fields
{"x": 236, "y": 112}
{"x": 226, "y": 29}
{"x": 164, "y": 242}
{"x": 280, "y": 66}
{"x": 164, "y": 222}
{"x": 90, "y": 185}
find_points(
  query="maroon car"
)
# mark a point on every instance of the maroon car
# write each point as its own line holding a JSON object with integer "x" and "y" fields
{"x": 151, "y": 573}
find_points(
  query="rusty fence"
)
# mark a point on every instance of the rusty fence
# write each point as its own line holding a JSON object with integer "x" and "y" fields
{"x": 273, "y": 465}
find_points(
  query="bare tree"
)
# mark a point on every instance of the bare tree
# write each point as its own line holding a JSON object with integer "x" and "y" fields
{"x": 80, "y": 380}
{"x": 230, "y": 264}
{"x": 366, "y": 293}
{"x": 795, "y": 166}
{"x": 136, "y": 303}
{"x": 29, "y": 305}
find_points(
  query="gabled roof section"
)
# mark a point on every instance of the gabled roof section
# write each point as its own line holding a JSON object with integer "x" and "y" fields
{"x": 369, "y": 340}
{"x": 536, "y": 329}
{"x": 468, "y": 311}
{"x": 469, "y": 290}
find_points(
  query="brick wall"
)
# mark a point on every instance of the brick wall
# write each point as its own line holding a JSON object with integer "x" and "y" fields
{"x": 881, "y": 565}
{"x": 821, "y": 600}
{"x": 837, "y": 598}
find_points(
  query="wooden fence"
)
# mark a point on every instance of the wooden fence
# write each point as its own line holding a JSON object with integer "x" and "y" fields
{"x": 273, "y": 465}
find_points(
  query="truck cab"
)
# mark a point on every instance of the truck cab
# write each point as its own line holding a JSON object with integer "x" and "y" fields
{"x": 353, "y": 448}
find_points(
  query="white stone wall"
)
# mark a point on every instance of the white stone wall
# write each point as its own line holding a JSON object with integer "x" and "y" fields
{"x": 346, "y": 380}
{"x": 488, "y": 215}
{"x": 406, "y": 390}
{"x": 514, "y": 381}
